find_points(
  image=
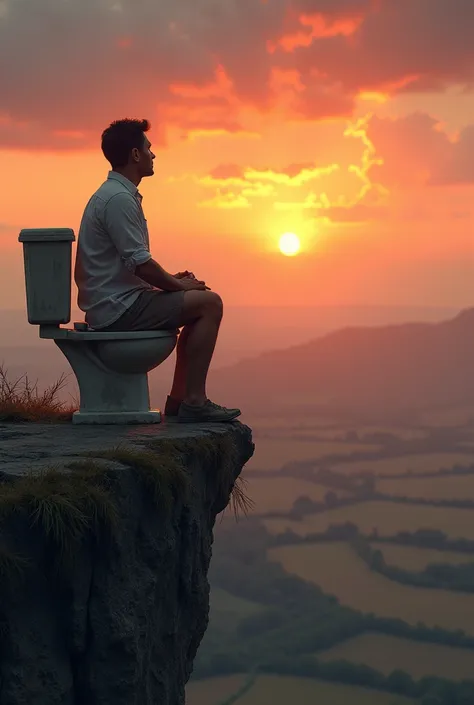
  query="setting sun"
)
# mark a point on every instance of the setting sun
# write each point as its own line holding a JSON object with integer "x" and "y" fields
{"x": 289, "y": 244}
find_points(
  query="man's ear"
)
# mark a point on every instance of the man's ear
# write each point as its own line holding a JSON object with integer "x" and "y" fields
{"x": 135, "y": 155}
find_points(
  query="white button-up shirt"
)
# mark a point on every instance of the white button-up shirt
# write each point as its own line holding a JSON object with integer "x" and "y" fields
{"x": 113, "y": 240}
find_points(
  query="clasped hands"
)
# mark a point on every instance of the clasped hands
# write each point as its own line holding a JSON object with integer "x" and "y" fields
{"x": 190, "y": 280}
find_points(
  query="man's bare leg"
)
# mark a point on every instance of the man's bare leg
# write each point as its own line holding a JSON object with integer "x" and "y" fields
{"x": 201, "y": 318}
{"x": 178, "y": 389}
{"x": 200, "y": 346}
{"x": 199, "y": 335}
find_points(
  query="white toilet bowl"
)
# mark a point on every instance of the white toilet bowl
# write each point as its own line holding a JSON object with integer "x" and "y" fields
{"x": 111, "y": 371}
{"x": 111, "y": 368}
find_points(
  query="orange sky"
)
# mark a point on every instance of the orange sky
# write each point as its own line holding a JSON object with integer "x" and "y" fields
{"x": 348, "y": 122}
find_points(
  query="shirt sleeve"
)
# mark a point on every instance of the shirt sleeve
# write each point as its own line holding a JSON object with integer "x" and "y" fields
{"x": 123, "y": 223}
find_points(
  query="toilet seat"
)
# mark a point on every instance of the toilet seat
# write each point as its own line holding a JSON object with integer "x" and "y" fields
{"x": 86, "y": 333}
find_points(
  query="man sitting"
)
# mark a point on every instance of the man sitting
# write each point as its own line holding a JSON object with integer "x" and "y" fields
{"x": 122, "y": 288}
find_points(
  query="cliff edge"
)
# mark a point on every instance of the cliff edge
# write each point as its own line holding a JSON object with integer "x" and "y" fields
{"x": 105, "y": 543}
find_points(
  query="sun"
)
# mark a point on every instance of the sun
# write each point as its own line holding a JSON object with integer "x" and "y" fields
{"x": 289, "y": 244}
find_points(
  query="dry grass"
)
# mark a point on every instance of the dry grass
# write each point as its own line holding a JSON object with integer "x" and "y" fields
{"x": 12, "y": 564}
{"x": 162, "y": 468}
{"x": 163, "y": 476}
{"x": 21, "y": 400}
{"x": 220, "y": 457}
{"x": 64, "y": 507}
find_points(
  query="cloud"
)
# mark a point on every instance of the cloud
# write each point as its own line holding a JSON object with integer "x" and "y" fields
{"x": 400, "y": 45}
{"x": 458, "y": 168}
{"x": 359, "y": 213}
{"x": 226, "y": 200}
{"x": 304, "y": 186}
{"x": 417, "y": 151}
{"x": 75, "y": 65}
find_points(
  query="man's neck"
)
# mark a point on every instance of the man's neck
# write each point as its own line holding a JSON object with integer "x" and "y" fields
{"x": 130, "y": 175}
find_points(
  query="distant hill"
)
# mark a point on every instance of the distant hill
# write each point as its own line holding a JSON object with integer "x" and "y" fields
{"x": 405, "y": 366}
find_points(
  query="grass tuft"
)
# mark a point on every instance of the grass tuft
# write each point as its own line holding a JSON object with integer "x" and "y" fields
{"x": 220, "y": 456}
{"x": 21, "y": 400}
{"x": 65, "y": 507}
{"x": 163, "y": 476}
{"x": 12, "y": 565}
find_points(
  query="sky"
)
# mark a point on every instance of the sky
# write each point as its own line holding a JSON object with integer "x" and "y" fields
{"x": 347, "y": 122}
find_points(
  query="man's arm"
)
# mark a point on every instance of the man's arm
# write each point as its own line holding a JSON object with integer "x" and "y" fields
{"x": 153, "y": 273}
{"x": 124, "y": 225}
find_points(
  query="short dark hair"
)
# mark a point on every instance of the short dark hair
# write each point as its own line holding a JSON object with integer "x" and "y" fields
{"x": 121, "y": 137}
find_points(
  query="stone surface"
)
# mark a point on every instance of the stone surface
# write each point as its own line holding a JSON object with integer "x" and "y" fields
{"x": 27, "y": 446}
{"x": 124, "y": 625}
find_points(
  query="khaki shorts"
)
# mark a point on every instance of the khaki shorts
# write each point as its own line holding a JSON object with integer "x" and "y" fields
{"x": 153, "y": 310}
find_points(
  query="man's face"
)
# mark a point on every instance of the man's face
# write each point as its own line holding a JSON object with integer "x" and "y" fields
{"x": 145, "y": 163}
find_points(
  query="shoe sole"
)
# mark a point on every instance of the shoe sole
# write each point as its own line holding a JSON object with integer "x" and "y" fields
{"x": 207, "y": 419}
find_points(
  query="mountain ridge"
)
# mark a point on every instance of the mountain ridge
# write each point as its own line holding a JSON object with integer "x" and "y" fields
{"x": 408, "y": 365}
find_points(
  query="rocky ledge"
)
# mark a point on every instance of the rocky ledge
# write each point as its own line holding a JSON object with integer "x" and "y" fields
{"x": 105, "y": 545}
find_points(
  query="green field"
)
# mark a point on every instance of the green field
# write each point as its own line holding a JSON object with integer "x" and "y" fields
{"x": 416, "y": 559}
{"x": 340, "y": 572}
{"x": 452, "y": 487}
{"x": 223, "y": 603}
{"x": 424, "y": 462}
{"x": 275, "y": 494}
{"x": 387, "y": 517}
{"x": 387, "y": 653}
{"x": 272, "y": 453}
{"x": 213, "y": 691}
{"x": 283, "y": 690}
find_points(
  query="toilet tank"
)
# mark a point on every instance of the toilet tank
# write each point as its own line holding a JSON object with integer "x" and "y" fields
{"x": 47, "y": 258}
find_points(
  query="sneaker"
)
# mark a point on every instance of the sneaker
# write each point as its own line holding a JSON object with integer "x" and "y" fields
{"x": 206, "y": 412}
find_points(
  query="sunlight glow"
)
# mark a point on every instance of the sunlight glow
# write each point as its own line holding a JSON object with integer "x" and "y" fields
{"x": 289, "y": 244}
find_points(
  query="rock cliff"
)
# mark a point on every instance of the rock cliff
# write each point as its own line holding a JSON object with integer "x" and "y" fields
{"x": 105, "y": 544}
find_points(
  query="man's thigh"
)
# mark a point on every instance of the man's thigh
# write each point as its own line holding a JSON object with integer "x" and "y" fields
{"x": 153, "y": 310}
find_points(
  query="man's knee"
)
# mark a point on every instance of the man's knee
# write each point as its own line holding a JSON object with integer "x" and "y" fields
{"x": 201, "y": 303}
{"x": 215, "y": 303}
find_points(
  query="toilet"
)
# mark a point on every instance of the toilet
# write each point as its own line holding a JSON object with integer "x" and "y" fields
{"x": 111, "y": 368}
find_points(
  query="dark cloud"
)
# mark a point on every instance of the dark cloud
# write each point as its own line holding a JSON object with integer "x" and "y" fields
{"x": 417, "y": 151}
{"x": 71, "y": 66}
{"x": 458, "y": 168}
{"x": 405, "y": 45}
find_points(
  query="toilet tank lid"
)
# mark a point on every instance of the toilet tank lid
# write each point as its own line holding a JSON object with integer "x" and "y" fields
{"x": 46, "y": 235}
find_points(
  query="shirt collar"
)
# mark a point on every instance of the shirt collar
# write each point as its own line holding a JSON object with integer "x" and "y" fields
{"x": 126, "y": 182}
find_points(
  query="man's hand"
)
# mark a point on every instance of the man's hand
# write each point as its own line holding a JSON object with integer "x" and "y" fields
{"x": 189, "y": 283}
{"x": 182, "y": 275}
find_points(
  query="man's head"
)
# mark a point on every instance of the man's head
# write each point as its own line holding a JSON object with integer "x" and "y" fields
{"x": 127, "y": 148}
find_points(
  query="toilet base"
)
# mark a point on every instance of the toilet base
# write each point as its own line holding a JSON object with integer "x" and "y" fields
{"x": 116, "y": 417}
{"x": 107, "y": 397}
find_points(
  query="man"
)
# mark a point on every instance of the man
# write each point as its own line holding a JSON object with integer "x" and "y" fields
{"x": 121, "y": 287}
